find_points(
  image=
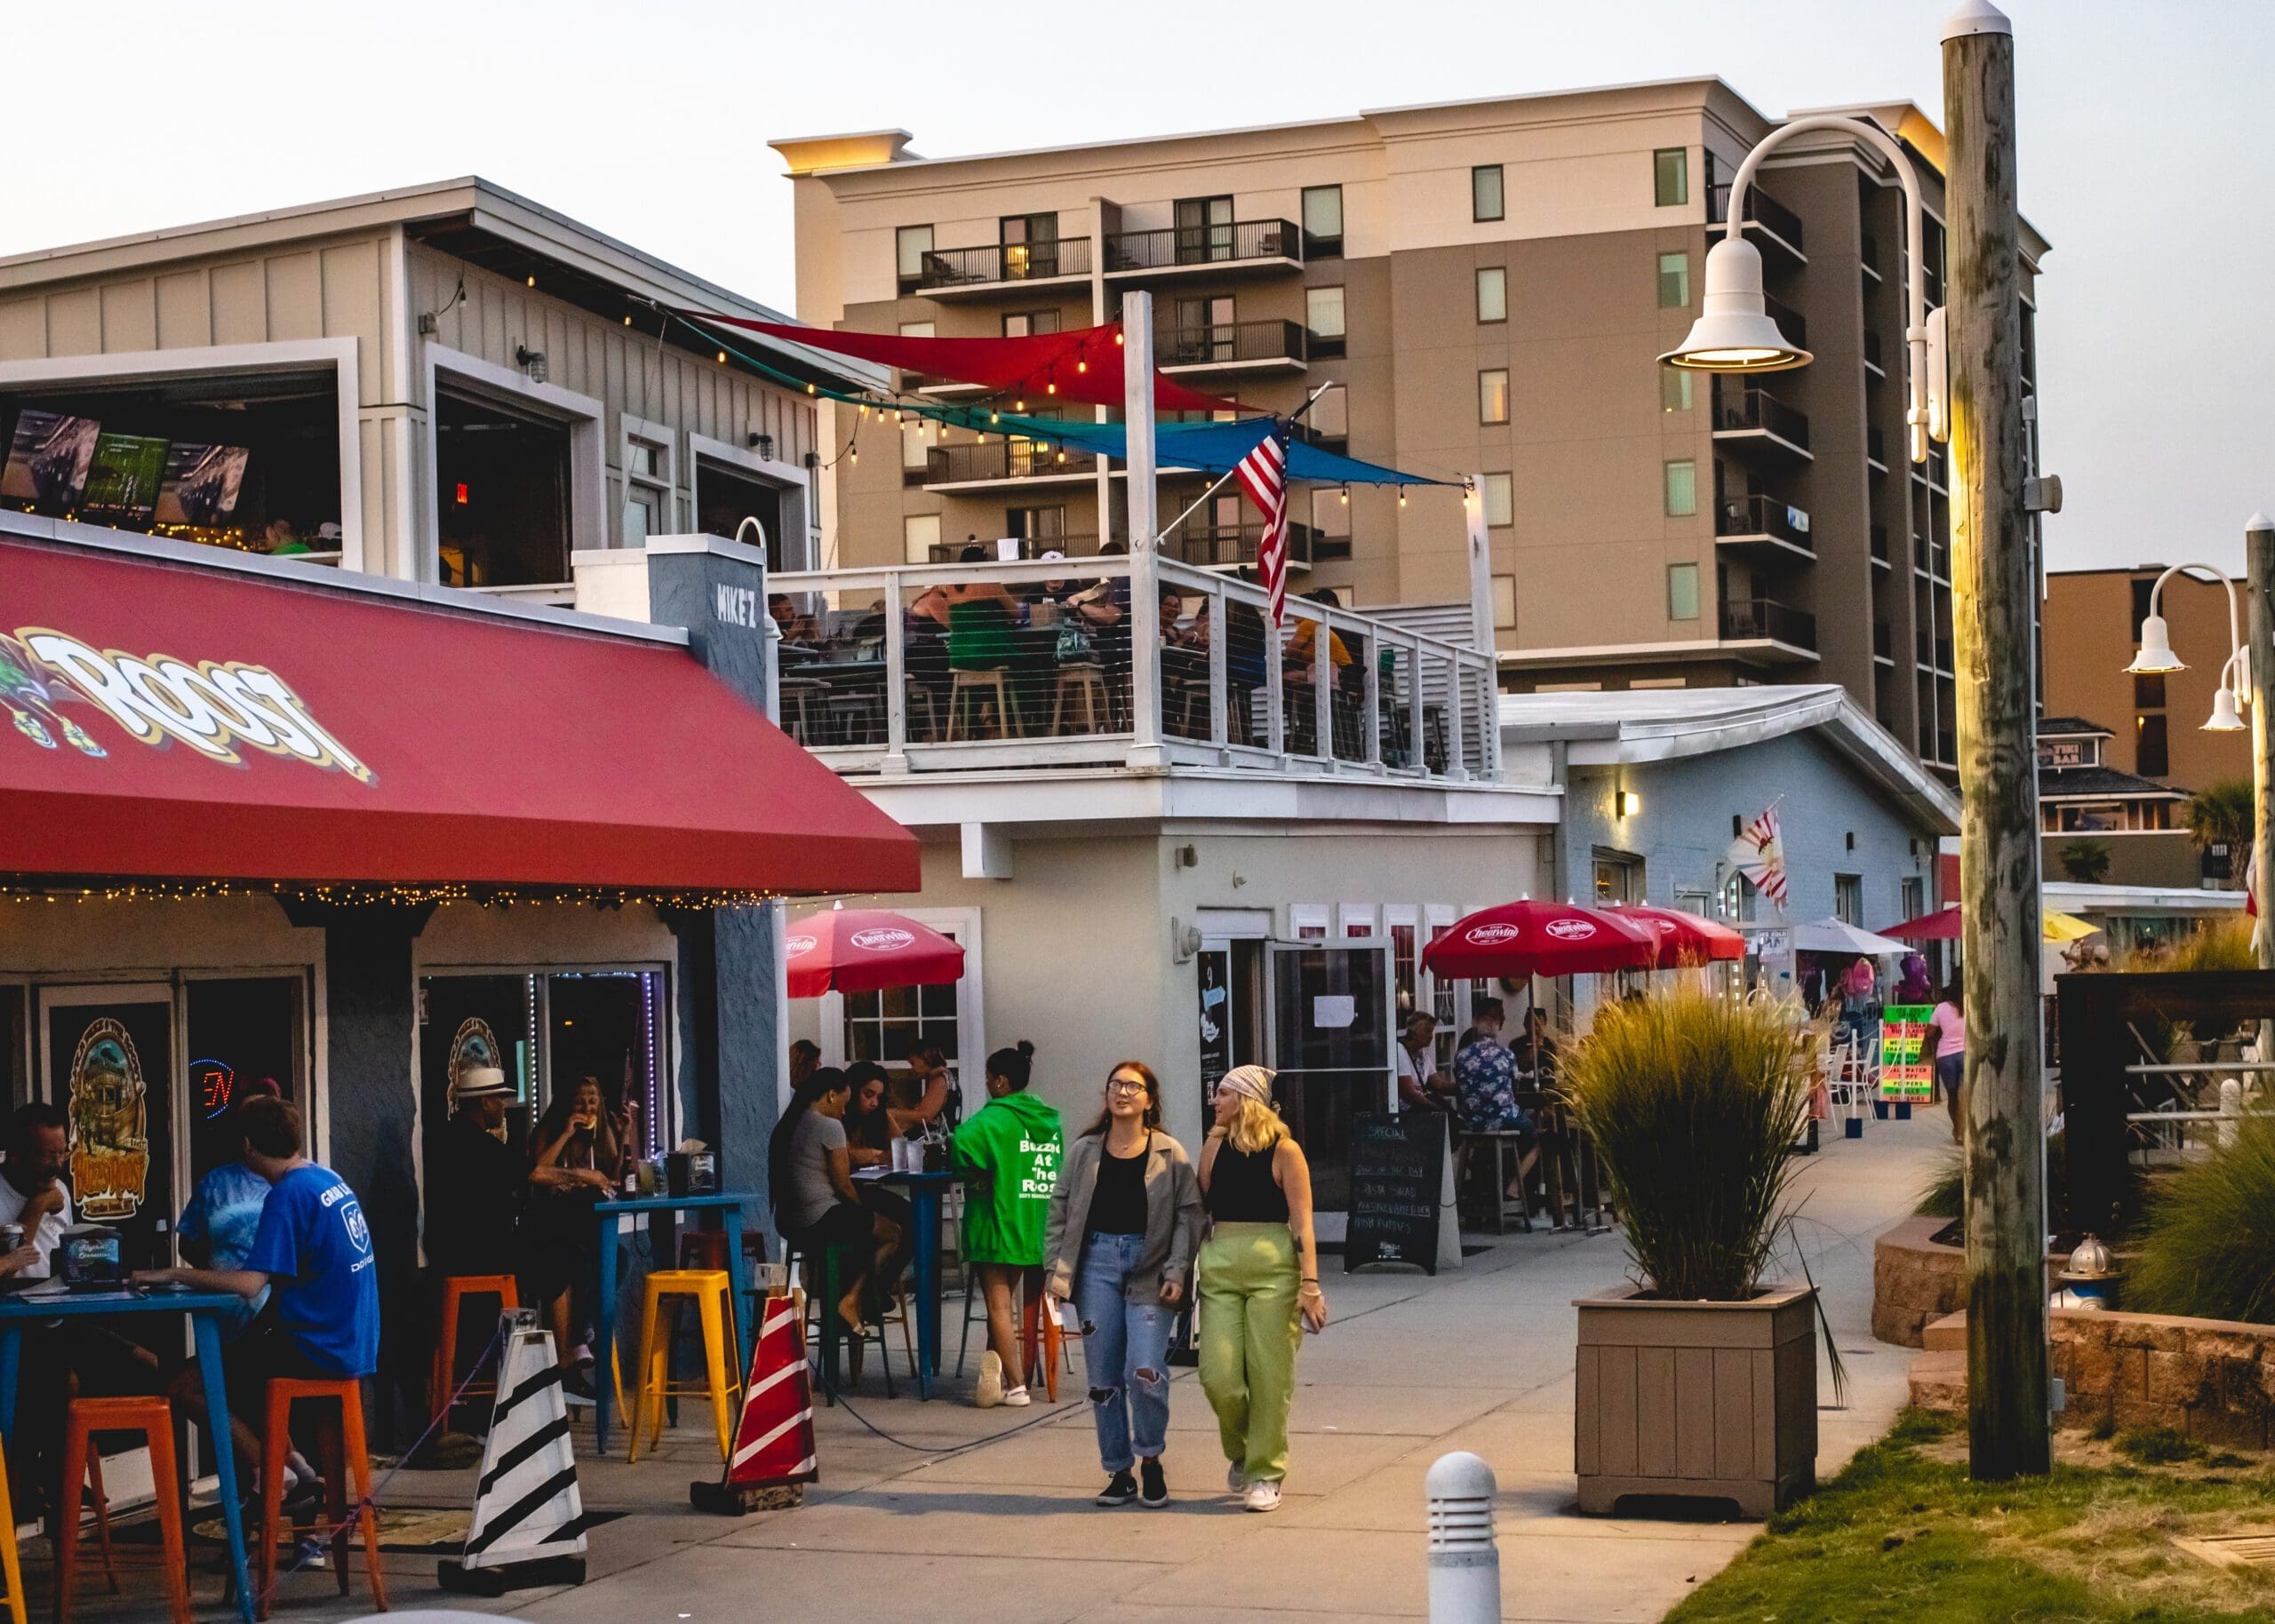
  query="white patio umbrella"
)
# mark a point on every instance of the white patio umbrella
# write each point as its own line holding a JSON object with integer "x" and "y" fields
{"x": 1840, "y": 936}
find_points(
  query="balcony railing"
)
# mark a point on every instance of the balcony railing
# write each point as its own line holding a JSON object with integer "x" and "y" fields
{"x": 1074, "y": 663}
{"x": 1172, "y": 246}
{"x": 1231, "y": 343}
{"x": 973, "y": 268}
{"x": 1931, "y": 557}
{"x": 1883, "y": 642}
{"x": 1876, "y": 446}
{"x": 1872, "y": 346}
{"x": 1222, "y": 546}
{"x": 1762, "y": 209}
{"x": 1757, "y": 412}
{"x": 1030, "y": 547}
{"x": 1761, "y": 515}
{"x": 1753, "y": 620}
{"x": 1934, "y": 652}
{"x": 1788, "y": 320}
{"x": 1003, "y": 459}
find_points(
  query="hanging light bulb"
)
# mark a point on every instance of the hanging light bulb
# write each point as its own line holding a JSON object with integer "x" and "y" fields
{"x": 809, "y": 388}
{"x": 1117, "y": 337}
{"x": 1346, "y": 496}
{"x": 628, "y": 321}
{"x": 1019, "y": 405}
{"x": 723, "y": 358}
{"x": 1401, "y": 495}
{"x": 1051, "y": 387}
{"x": 994, "y": 417}
{"x": 1082, "y": 366}
{"x": 853, "y": 451}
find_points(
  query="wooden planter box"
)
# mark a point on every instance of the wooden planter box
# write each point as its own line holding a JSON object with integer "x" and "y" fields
{"x": 1697, "y": 1398}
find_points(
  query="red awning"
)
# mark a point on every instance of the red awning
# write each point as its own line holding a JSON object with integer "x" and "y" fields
{"x": 183, "y": 720}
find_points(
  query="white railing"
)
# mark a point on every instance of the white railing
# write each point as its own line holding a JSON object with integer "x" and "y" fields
{"x": 1003, "y": 665}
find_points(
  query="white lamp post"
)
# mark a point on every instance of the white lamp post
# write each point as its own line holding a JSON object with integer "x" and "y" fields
{"x": 2156, "y": 656}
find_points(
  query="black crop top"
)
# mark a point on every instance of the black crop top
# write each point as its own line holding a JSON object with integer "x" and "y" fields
{"x": 1241, "y": 1188}
{"x": 1118, "y": 1201}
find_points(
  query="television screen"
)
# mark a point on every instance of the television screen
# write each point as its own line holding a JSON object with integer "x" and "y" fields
{"x": 48, "y": 459}
{"x": 122, "y": 480}
{"x": 201, "y": 482}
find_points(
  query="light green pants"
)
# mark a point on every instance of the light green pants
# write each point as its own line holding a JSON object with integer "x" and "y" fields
{"x": 1249, "y": 1337}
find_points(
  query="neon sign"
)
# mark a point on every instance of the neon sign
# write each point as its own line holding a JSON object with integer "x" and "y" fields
{"x": 213, "y": 1085}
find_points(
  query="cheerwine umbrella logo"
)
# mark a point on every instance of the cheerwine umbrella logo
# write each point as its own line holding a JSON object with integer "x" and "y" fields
{"x": 213, "y": 707}
{"x": 798, "y": 947}
{"x": 883, "y": 939}
{"x": 1490, "y": 935}
{"x": 1570, "y": 930}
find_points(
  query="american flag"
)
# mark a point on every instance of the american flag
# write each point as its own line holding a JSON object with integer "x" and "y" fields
{"x": 1760, "y": 855}
{"x": 1264, "y": 476}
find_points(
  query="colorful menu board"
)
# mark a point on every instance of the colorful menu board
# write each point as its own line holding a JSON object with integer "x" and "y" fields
{"x": 1907, "y": 1053}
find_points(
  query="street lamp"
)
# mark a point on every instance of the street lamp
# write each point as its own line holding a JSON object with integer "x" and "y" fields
{"x": 2155, "y": 656}
{"x": 1734, "y": 332}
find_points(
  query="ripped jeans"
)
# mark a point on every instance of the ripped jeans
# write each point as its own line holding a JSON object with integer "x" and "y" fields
{"x": 1125, "y": 1353}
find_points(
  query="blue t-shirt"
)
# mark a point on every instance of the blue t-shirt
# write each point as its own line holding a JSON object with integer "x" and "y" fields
{"x": 225, "y": 1215}
{"x": 317, "y": 1249}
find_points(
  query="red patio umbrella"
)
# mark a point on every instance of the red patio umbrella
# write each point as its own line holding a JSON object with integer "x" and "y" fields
{"x": 1940, "y": 926}
{"x": 1684, "y": 938}
{"x": 861, "y": 949}
{"x": 1540, "y": 938}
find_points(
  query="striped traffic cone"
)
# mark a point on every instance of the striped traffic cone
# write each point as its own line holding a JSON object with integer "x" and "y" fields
{"x": 774, "y": 1441}
{"x": 529, "y": 1520}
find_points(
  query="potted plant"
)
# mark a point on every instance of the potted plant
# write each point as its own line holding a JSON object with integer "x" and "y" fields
{"x": 1700, "y": 1378}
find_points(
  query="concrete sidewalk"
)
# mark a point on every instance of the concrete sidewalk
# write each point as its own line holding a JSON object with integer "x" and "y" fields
{"x": 986, "y": 1516}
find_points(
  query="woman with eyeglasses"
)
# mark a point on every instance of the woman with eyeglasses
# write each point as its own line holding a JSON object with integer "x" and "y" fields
{"x": 1124, "y": 1223}
{"x": 1259, "y": 1281}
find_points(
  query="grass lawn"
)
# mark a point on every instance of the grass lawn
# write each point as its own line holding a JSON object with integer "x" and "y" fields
{"x": 1903, "y": 1535}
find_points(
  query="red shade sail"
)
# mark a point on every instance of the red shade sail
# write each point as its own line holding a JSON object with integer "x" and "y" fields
{"x": 1540, "y": 938}
{"x": 1684, "y": 938}
{"x": 862, "y": 950}
{"x": 180, "y": 719}
{"x": 1082, "y": 366}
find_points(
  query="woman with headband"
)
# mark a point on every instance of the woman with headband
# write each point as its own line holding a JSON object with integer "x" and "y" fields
{"x": 1259, "y": 1281}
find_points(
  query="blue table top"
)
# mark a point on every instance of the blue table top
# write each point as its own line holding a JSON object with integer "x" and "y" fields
{"x": 941, "y": 1175}
{"x": 666, "y": 1204}
{"x": 158, "y": 1300}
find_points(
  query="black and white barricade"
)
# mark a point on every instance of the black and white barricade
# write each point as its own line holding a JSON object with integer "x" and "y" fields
{"x": 529, "y": 1519}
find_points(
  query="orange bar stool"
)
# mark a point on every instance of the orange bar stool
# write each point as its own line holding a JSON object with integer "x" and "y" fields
{"x": 711, "y": 1291}
{"x": 456, "y": 1289}
{"x": 10, "y": 1563}
{"x": 703, "y": 1248}
{"x": 342, "y": 1448}
{"x": 86, "y": 1418}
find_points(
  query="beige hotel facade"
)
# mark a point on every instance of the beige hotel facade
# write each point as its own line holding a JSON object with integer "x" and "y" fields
{"x": 1484, "y": 286}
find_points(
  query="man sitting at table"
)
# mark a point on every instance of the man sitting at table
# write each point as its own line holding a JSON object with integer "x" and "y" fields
{"x": 1485, "y": 1085}
{"x": 312, "y": 1253}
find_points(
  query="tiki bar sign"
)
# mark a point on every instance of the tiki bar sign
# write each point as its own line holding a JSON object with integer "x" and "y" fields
{"x": 212, "y": 707}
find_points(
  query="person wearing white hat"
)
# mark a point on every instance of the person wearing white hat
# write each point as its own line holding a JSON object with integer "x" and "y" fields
{"x": 474, "y": 1180}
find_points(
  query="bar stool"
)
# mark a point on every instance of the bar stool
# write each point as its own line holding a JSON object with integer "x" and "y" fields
{"x": 456, "y": 1289}
{"x": 829, "y": 1331}
{"x": 86, "y": 1418}
{"x": 710, "y": 1290}
{"x": 1087, "y": 683}
{"x": 799, "y": 696}
{"x": 703, "y": 1248}
{"x": 977, "y": 687}
{"x": 1040, "y": 1308}
{"x": 341, "y": 1449}
{"x": 10, "y": 1563}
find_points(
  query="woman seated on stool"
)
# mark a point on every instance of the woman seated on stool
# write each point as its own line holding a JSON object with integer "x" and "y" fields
{"x": 809, "y": 1172}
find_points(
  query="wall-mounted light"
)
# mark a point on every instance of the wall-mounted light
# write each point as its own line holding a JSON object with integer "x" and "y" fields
{"x": 1626, "y": 803}
{"x": 763, "y": 444}
{"x": 530, "y": 362}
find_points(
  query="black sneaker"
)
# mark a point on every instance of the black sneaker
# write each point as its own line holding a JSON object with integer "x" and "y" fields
{"x": 1156, "y": 1493}
{"x": 577, "y": 1389}
{"x": 1120, "y": 1490}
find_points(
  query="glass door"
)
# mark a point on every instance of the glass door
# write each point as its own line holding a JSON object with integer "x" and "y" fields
{"x": 1330, "y": 1038}
{"x": 106, "y": 1060}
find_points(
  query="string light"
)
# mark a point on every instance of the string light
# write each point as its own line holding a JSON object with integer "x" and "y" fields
{"x": 723, "y": 358}
{"x": 531, "y": 283}
{"x": 1117, "y": 337}
{"x": 1082, "y": 365}
{"x": 627, "y": 320}
{"x": 23, "y": 888}
{"x": 1401, "y": 495}
{"x": 1346, "y": 496}
{"x": 1019, "y": 405}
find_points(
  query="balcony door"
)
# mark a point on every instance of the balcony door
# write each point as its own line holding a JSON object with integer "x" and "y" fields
{"x": 1204, "y": 230}
{"x": 1205, "y": 330}
{"x": 1030, "y": 245}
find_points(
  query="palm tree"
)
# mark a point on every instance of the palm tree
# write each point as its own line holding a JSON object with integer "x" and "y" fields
{"x": 2087, "y": 862}
{"x": 2221, "y": 813}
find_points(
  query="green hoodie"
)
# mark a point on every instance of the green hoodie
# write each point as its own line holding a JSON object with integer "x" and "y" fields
{"x": 1011, "y": 1146}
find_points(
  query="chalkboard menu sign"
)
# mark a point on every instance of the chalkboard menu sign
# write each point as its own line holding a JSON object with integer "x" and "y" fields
{"x": 1397, "y": 1180}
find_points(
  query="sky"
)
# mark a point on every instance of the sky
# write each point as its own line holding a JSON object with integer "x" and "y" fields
{"x": 2142, "y": 146}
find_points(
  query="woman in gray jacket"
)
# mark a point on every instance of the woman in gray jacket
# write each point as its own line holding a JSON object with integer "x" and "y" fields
{"x": 1124, "y": 1220}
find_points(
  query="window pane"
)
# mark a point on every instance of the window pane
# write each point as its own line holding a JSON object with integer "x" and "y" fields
{"x": 1683, "y": 592}
{"x": 920, "y": 533}
{"x": 1323, "y": 311}
{"x": 1493, "y": 395}
{"x": 913, "y": 445}
{"x": 1504, "y": 599}
{"x": 914, "y": 242}
{"x": 917, "y": 330}
{"x": 1492, "y": 293}
{"x": 1331, "y": 511}
{"x": 639, "y": 518}
{"x": 1671, "y": 176}
{"x": 1500, "y": 494}
{"x": 1674, "y": 282}
{"x": 2152, "y": 758}
{"x": 1485, "y": 192}
{"x": 1674, "y": 389}
{"x": 1331, "y": 416}
{"x": 1015, "y": 326}
{"x": 1682, "y": 489}
{"x": 1323, "y": 212}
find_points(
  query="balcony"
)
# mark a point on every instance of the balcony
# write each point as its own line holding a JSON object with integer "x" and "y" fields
{"x": 1229, "y": 546}
{"x": 1749, "y": 418}
{"x": 949, "y": 273}
{"x": 1787, "y": 635}
{"x": 1931, "y": 558}
{"x": 1763, "y": 528}
{"x": 1770, "y": 225}
{"x": 1883, "y": 643}
{"x": 1873, "y": 352}
{"x": 1173, "y": 250}
{"x": 1880, "y": 546}
{"x": 1788, "y": 320}
{"x": 1002, "y": 462}
{"x": 1030, "y": 547}
{"x": 1086, "y": 667}
{"x": 1234, "y": 346}
{"x": 1935, "y": 653}
{"x": 1876, "y": 449}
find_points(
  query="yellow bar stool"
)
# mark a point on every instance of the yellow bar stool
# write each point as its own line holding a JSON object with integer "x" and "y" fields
{"x": 10, "y": 1564}
{"x": 711, "y": 1291}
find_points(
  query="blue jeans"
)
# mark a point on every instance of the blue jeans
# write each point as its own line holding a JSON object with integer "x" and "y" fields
{"x": 1125, "y": 1353}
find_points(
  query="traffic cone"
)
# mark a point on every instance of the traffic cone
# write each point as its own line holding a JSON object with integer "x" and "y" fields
{"x": 529, "y": 1519}
{"x": 774, "y": 1441}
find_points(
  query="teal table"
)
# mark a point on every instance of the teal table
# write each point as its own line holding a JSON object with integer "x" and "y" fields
{"x": 662, "y": 1208}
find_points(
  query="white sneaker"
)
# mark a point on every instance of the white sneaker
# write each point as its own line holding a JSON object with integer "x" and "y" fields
{"x": 989, "y": 1393}
{"x": 1014, "y": 1397}
{"x": 1236, "y": 1479}
{"x": 1263, "y": 1495}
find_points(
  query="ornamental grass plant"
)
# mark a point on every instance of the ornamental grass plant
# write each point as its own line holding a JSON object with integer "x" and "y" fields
{"x": 2207, "y": 1244}
{"x": 1694, "y": 1104}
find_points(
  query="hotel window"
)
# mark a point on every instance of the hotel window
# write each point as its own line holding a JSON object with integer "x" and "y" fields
{"x": 1674, "y": 389}
{"x": 914, "y": 446}
{"x": 1912, "y": 897}
{"x": 647, "y": 484}
{"x": 1682, "y": 489}
{"x": 1505, "y": 600}
{"x": 1331, "y": 512}
{"x": 1674, "y": 282}
{"x": 2150, "y": 758}
{"x": 918, "y": 330}
{"x": 1030, "y": 245}
{"x": 1499, "y": 494}
{"x": 1683, "y": 592}
{"x": 911, "y": 243}
{"x": 920, "y": 533}
{"x": 1324, "y": 314}
{"x": 1485, "y": 202}
{"x": 1030, "y": 324}
{"x": 1329, "y": 417}
{"x": 1848, "y": 898}
{"x": 1671, "y": 176}
{"x": 1492, "y": 293}
{"x": 2148, "y": 690}
{"x": 1322, "y": 222}
{"x": 1493, "y": 395}
{"x": 1204, "y": 230}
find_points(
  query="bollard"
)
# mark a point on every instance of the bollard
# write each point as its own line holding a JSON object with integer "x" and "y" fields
{"x": 1465, "y": 1567}
{"x": 2230, "y": 1111}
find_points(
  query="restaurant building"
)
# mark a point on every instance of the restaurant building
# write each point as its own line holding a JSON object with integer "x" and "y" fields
{"x": 265, "y": 818}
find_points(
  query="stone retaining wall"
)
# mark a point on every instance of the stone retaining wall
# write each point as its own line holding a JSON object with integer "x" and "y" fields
{"x": 2212, "y": 1380}
{"x": 1914, "y": 1283}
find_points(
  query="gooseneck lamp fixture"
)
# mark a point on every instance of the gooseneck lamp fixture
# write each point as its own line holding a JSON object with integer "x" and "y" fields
{"x": 2155, "y": 656}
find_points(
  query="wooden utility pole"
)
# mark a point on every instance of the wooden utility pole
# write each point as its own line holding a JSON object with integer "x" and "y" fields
{"x": 1993, "y": 583}
{"x": 2259, "y": 668}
